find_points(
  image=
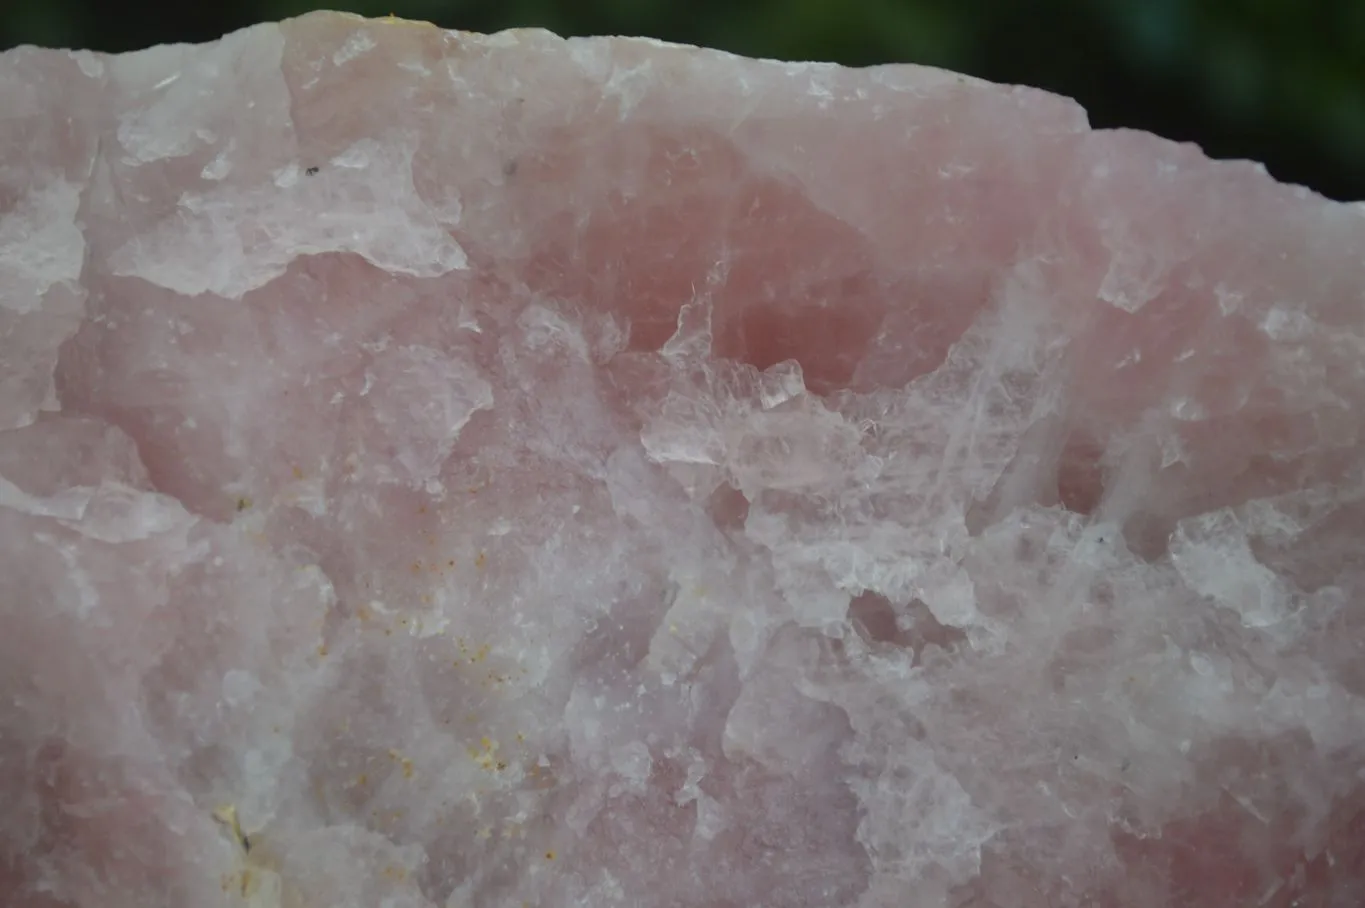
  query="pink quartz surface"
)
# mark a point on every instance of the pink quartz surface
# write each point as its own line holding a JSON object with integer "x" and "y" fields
{"x": 441, "y": 470}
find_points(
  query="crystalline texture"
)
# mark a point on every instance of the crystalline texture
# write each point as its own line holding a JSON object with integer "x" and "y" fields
{"x": 442, "y": 470}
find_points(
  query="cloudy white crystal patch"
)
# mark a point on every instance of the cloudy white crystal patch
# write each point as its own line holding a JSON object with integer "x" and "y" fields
{"x": 232, "y": 242}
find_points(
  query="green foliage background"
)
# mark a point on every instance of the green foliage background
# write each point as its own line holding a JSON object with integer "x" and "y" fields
{"x": 1280, "y": 81}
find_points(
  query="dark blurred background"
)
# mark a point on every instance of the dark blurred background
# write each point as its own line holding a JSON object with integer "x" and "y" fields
{"x": 1279, "y": 81}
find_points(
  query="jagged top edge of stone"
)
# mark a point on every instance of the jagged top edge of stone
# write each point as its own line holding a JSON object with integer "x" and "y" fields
{"x": 514, "y": 36}
{"x": 504, "y": 36}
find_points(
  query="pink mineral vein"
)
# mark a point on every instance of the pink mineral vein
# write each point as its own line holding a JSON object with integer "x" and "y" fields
{"x": 446, "y": 471}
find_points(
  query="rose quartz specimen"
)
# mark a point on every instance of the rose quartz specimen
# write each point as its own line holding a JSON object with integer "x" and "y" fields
{"x": 443, "y": 470}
